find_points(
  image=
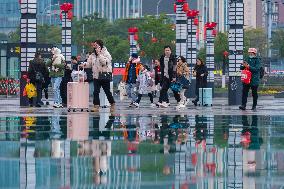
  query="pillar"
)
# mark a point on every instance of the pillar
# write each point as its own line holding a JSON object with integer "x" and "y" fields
{"x": 66, "y": 15}
{"x": 28, "y": 25}
{"x": 133, "y": 38}
{"x": 236, "y": 42}
{"x": 210, "y": 36}
{"x": 192, "y": 24}
{"x": 181, "y": 8}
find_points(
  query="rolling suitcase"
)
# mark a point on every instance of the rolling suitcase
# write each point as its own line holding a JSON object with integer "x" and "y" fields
{"x": 205, "y": 97}
{"x": 78, "y": 96}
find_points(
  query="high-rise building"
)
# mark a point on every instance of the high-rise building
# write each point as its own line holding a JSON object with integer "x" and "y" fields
{"x": 9, "y": 15}
{"x": 253, "y": 13}
{"x": 110, "y": 9}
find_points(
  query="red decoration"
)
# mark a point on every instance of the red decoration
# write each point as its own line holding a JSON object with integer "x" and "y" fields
{"x": 225, "y": 54}
{"x": 196, "y": 21}
{"x": 246, "y": 76}
{"x": 66, "y": 7}
{"x": 136, "y": 37}
{"x": 192, "y": 13}
{"x": 154, "y": 40}
{"x": 175, "y": 7}
{"x": 210, "y": 25}
{"x": 214, "y": 33}
{"x": 185, "y": 7}
{"x": 133, "y": 30}
{"x": 70, "y": 15}
{"x": 180, "y": 1}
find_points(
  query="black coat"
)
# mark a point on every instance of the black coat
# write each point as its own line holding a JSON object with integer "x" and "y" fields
{"x": 201, "y": 82}
{"x": 37, "y": 65}
{"x": 172, "y": 67}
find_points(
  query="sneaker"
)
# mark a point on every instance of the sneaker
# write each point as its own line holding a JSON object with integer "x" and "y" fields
{"x": 130, "y": 105}
{"x": 136, "y": 105}
{"x": 164, "y": 105}
{"x": 242, "y": 108}
{"x": 186, "y": 101}
{"x": 153, "y": 105}
{"x": 60, "y": 106}
{"x": 182, "y": 105}
{"x": 158, "y": 104}
{"x": 55, "y": 105}
{"x": 96, "y": 109}
{"x": 41, "y": 103}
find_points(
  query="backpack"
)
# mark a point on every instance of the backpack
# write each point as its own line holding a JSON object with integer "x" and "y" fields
{"x": 262, "y": 72}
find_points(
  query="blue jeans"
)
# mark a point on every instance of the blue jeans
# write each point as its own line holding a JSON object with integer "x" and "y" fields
{"x": 130, "y": 91}
{"x": 56, "y": 81}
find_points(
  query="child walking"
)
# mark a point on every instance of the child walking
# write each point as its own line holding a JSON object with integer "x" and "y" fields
{"x": 145, "y": 85}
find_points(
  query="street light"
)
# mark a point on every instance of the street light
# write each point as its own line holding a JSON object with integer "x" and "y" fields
{"x": 158, "y": 4}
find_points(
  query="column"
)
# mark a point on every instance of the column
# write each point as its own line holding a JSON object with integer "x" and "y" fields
{"x": 192, "y": 24}
{"x": 66, "y": 9}
{"x": 236, "y": 42}
{"x": 133, "y": 38}
{"x": 181, "y": 7}
{"x": 28, "y": 41}
{"x": 210, "y": 36}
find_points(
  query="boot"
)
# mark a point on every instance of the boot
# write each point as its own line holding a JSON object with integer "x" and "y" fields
{"x": 242, "y": 107}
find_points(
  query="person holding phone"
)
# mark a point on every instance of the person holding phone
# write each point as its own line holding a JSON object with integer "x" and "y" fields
{"x": 252, "y": 64}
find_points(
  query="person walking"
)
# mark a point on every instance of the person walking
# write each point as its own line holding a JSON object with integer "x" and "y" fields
{"x": 56, "y": 73}
{"x": 65, "y": 79}
{"x": 157, "y": 72}
{"x": 201, "y": 73}
{"x": 168, "y": 76}
{"x": 253, "y": 65}
{"x": 37, "y": 72}
{"x": 130, "y": 76}
{"x": 182, "y": 76}
{"x": 100, "y": 62}
{"x": 145, "y": 85}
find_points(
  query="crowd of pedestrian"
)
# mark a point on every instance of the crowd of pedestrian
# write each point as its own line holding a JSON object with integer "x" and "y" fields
{"x": 169, "y": 72}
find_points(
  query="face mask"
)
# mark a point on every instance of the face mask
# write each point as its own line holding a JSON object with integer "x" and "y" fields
{"x": 251, "y": 56}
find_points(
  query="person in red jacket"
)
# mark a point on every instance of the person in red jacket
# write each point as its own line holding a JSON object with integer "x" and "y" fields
{"x": 130, "y": 76}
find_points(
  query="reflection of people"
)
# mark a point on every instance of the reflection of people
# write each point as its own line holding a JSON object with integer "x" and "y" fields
{"x": 200, "y": 129}
{"x": 250, "y": 133}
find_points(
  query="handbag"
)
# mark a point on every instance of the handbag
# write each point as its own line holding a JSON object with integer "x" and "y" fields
{"x": 184, "y": 82}
{"x": 176, "y": 87}
{"x": 246, "y": 76}
{"x": 107, "y": 76}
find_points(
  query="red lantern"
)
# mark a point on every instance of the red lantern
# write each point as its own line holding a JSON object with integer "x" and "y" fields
{"x": 225, "y": 54}
{"x": 66, "y": 7}
{"x": 196, "y": 21}
{"x": 136, "y": 37}
{"x": 70, "y": 15}
{"x": 185, "y": 7}
{"x": 214, "y": 33}
{"x": 211, "y": 25}
{"x": 180, "y": 1}
{"x": 135, "y": 30}
{"x": 154, "y": 40}
{"x": 175, "y": 7}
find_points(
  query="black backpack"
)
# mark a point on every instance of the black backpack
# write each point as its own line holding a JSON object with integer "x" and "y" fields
{"x": 262, "y": 72}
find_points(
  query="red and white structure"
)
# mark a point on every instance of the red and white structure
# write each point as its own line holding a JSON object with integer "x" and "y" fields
{"x": 66, "y": 17}
{"x": 210, "y": 28}
{"x": 133, "y": 40}
{"x": 181, "y": 8}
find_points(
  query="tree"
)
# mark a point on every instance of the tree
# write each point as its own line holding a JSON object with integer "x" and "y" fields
{"x": 255, "y": 38}
{"x": 202, "y": 54}
{"x": 221, "y": 45}
{"x": 158, "y": 28}
{"x": 278, "y": 42}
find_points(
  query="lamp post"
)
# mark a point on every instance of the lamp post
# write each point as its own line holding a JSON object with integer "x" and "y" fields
{"x": 225, "y": 56}
{"x": 158, "y": 4}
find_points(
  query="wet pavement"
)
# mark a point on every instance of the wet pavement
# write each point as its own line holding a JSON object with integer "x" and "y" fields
{"x": 214, "y": 147}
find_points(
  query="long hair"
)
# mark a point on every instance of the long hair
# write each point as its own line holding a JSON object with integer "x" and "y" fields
{"x": 202, "y": 62}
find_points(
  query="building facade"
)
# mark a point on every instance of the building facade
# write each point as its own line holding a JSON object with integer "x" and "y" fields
{"x": 9, "y": 15}
{"x": 110, "y": 9}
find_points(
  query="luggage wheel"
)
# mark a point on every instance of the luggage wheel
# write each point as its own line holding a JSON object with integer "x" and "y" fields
{"x": 69, "y": 110}
{"x": 74, "y": 110}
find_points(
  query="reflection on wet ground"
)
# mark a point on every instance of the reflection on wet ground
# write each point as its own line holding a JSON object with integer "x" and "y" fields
{"x": 129, "y": 151}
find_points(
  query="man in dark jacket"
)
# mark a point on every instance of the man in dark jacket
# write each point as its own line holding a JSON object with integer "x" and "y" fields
{"x": 37, "y": 72}
{"x": 253, "y": 65}
{"x": 168, "y": 75}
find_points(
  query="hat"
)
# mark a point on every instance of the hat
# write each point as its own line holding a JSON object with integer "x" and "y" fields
{"x": 252, "y": 50}
{"x": 134, "y": 55}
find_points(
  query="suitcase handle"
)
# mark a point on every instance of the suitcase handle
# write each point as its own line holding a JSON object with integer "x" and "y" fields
{"x": 79, "y": 74}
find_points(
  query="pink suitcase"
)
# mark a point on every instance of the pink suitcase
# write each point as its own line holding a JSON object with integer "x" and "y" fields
{"x": 78, "y": 95}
